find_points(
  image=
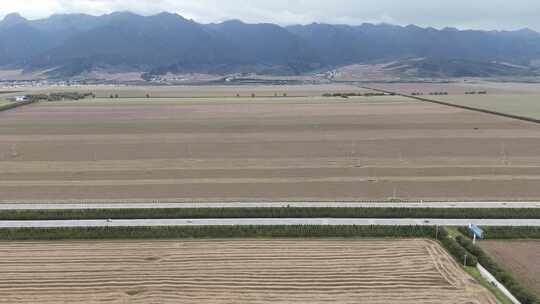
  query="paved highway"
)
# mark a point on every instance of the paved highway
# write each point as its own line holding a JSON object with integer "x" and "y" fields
{"x": 243, "y": 222}
{"x": 143, "y": 205}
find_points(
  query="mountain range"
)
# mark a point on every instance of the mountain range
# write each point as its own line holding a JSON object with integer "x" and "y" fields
{"x": 70, "y": 44}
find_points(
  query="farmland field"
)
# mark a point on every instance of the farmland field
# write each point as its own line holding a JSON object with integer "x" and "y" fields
{"x": 453, "y": 88}
{"x": 515, "y": 104}
{"x": 234, "y": 271}
{"x": 266, "y": 148}
{"x": 510, "y": 98}
{"x": 104, "y": 91}
{"x": 520, "y": 258}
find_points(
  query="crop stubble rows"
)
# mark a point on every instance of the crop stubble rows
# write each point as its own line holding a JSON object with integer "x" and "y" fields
{"x": 362, "y": 149}
{"x": 234, "y": 271}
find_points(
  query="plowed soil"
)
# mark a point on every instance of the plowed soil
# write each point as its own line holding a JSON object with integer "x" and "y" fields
{"x": 520, "y": 258}
{"x": 243, "y": 271}
{"x": 294, "y": 149}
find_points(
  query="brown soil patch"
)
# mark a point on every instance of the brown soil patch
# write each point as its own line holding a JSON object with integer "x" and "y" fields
{"x": 521, "y": 258}
{"x": 234, "y": 271}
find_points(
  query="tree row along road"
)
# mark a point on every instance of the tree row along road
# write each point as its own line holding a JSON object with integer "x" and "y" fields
{"x": 143, "y": 205}
{"x": 263, "y": 222}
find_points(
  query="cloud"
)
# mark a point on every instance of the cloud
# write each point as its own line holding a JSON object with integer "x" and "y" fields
{"x": 483, "y": 14}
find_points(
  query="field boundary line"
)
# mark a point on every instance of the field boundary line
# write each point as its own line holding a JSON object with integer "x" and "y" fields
{"x": 485, "y": 111}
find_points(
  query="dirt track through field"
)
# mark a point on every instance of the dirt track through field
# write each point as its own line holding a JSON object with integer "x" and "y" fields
{"x": 234, "y": 271}
{"x": 326, "y": 149}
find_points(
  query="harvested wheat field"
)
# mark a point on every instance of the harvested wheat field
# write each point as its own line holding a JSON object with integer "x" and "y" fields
{"x": 234, "y": 271}
{"x": 520, "y": 258}
{"x": 293, "y": 149}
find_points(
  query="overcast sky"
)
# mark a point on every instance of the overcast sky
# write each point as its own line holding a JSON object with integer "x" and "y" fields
{"x": 477, "y": 14}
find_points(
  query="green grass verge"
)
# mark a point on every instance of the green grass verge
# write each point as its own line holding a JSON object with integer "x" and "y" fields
{"x": 209, "y": 232}
{"x": 493, "y": 233}
{"x": 458, "y": 250}
{"x": 495, "y": 291}
{"x": 269, "y": 213}
{"x": 460, "y": 254}
{"x": 4, "y": 106}
{"x": 453, "y": 232}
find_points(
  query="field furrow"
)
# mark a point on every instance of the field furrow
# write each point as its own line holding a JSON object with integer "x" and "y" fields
{"x": 264, "y": 149}
{"x": 234, "y": 271}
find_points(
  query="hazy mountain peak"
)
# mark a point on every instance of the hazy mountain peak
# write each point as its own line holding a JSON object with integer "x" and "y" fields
{"x": 65, "y": 16}
{"x": 167, "y": 14}
{"x": 13, "y": 19}
{"x": 233, "y": 22}
{"x": 413, "y": 27}
{"x": 527, "y": 31}
{"x": 171, "y": 17}
{"x": 123, "y": 14}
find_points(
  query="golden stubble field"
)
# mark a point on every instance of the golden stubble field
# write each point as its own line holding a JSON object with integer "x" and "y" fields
{"x": 234, "y": 271}
{"x": 264, "y": 149}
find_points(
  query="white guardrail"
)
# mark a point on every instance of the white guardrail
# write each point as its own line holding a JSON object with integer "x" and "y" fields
{"x": 491, "y": 279}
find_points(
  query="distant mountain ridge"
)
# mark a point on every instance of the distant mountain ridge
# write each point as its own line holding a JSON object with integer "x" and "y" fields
{"x": 71, "y": 44}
